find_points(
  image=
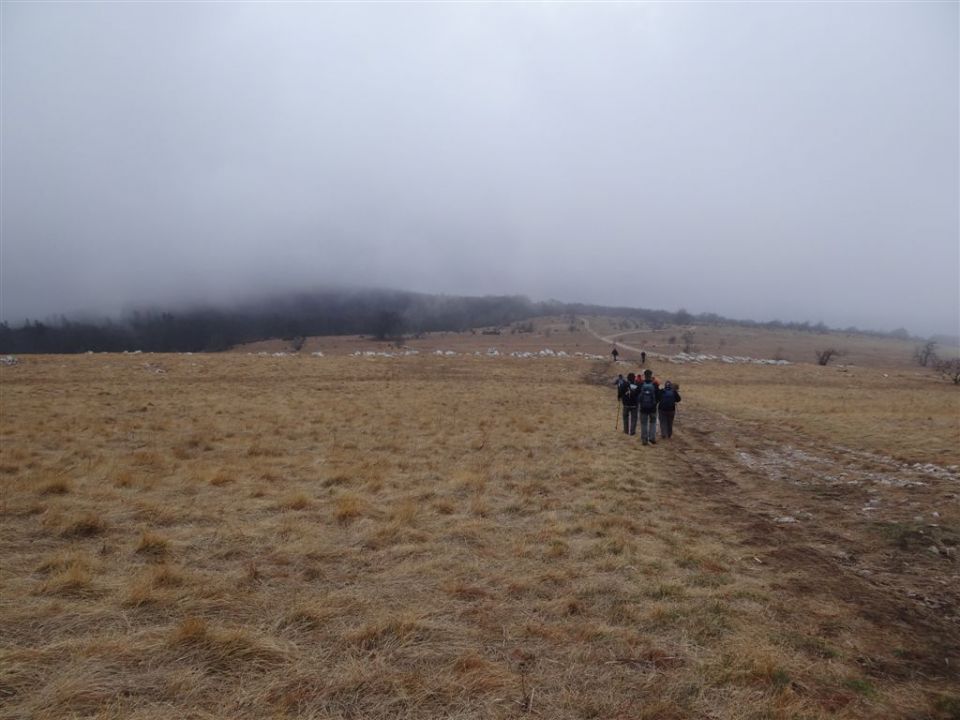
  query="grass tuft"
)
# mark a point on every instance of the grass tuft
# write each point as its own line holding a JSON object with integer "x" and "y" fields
{"x": 152, "y": 544}
{"x": 86, "y": 525}
{"x": 295, "y": 501}
{"x": 60, "y": 486}
{"x": 348, "y": 507}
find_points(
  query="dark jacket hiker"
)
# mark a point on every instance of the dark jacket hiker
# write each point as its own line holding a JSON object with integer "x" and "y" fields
{"x": 629, "y": 394}
{"x": 668, "y": 409}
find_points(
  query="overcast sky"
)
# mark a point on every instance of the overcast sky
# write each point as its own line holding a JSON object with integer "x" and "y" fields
{"x": 759, "y": 160}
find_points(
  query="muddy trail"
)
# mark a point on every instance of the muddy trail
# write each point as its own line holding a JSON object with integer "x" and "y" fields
{"x": 836, "y": 525}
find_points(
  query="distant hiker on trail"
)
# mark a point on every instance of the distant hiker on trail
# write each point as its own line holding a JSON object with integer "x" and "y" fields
{"x": 629, "y": 394}
{"x": 668, "y": 408}
{"x": 649, "y": 395}
{"x": 615, "y": 353}
{"x": 643, "y": 357}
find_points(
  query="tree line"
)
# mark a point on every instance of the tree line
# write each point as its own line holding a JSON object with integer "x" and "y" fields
{"x": 381, "y": 314}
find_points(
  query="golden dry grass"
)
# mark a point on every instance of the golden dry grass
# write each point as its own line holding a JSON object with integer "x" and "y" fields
{"x": 250, "y": 537}
{"x": 907, "y": 414}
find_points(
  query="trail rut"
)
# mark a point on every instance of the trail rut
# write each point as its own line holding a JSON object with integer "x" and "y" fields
{"x": 827, "y": 521}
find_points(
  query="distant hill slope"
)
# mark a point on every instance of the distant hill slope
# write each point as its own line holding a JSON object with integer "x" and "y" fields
{"x": 381, "y": 314}
{"x": 586, "y": 335}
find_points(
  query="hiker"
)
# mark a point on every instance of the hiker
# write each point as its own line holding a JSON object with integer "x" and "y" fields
{"x": 668, "y": 408}
{"x": 643, "y": 357}
{"x": 615, "y": 353}
{"x": 648, "y": 397}
{"x": 628, "y": 393}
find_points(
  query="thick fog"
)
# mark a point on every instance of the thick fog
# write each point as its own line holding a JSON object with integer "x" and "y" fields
{"x": 796, "y": 161}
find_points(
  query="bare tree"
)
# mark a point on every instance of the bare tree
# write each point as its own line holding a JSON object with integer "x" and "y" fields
{"x": 687, "y": 338}
{"x": 825, "y": 356}
{"x": 926, "y": 354}
{"x": 297, "y": 343}
{"x": 950, "y": 369}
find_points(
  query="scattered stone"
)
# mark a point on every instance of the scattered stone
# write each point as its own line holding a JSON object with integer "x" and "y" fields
{"x": 730, "y": 360}
{"x": 9, "y": 360}
{"x": 785, "y": 519}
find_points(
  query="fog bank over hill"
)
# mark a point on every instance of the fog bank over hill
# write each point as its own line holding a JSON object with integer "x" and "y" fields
{"x": 386, "y": 315}
{"x": 792, "y": 161}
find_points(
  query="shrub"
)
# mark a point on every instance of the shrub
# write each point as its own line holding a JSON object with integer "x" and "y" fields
{"x": 926, "y": 354}
{"x": 825, "y": 356}
{"x": 950, "y": 369}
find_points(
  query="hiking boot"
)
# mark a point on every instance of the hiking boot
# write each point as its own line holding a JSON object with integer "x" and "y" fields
{"x": 653, "y": 442}
{"x": 644, "y": 442}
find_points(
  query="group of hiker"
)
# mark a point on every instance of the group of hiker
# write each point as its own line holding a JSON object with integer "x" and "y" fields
{"x": 643, "y": 398}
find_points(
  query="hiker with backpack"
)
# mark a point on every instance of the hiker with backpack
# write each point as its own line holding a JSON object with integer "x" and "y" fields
{"x": 667, "y": 408}
{"x": 628, "y": 393}
{"x": 648, "y": 397}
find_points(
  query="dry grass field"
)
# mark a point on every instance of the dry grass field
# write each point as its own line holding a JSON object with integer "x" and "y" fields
{"x": 243, "y": 536}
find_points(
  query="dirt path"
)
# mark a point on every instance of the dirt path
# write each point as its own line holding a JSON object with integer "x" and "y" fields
{"x": 612, "y": 338}
{"x": 836, "y": 526}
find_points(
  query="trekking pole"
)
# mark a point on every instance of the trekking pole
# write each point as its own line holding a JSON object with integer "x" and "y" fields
{"x": 616, "y": 424}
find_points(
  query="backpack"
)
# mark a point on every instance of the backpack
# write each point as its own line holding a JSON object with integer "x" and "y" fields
{"x": 668, "y": 401}
{"x": 648, "y": 397}
{"x": 630, "y": 393}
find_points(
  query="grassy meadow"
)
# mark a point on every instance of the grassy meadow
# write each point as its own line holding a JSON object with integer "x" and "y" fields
{"x": 243, "y": 536}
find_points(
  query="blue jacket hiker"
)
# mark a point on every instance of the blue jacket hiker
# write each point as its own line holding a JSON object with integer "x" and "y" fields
{"x": 649, "y": 396}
